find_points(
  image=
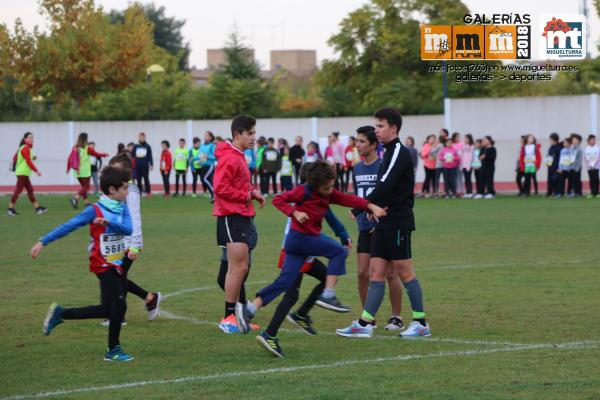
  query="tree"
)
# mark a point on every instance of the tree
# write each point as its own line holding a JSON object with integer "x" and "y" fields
{"x": 166, "y": 31}
{"x": 82, "y": 55}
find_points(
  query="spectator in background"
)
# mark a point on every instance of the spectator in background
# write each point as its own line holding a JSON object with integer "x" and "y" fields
{"x": 334, "y": 153}
{"x": 120, "y": 148}
{"x": 519, "y": 174}
{"x": 476, "y": 164}
{"x": 23, "y": 166}
{"x": 82, "y": 167}
{"x": 488, "y": 168}
{"x": 271, "y": 164}
{"x": 435, "y": 152}
{"x": 444, "y": 132}
{"x": 130, "y": 147}
{"x": 577, "y": 164}
{"x": 286, "y": 170}
{"x": 250, "y": 155}
{"x": 143, "y": 162}
{"x": 96, "y": 163}
{"x": 351, "y": 158}
{"x": 207, "y": 163}
{"x": 264, "y": 182}
{"x": 592, "y": 160}
{"x": 297, "y": 154}
{"x": 313, "y": 153}
{"x": 565, "y": 169}
{"x": 194, "y": 160}
{"x": 181, "y": 164}
{"x": 552, "y": 162}
{"x": 409, "y": 142}
{"x": 429, "y": 165}
{"x": 166, "y": 164}
{"x": 450, "y": 161}
{"x": 281, "y": 142}
{"x": 466, "y": 160}
{"x": 530, "y": 161}
{"x": 457, "y": 145}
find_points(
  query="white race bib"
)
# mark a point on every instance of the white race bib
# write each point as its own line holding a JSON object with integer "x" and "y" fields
{"x": 112, "y": 246}
{"x": 286, "y": 168}
{"x": 549, "y": 160}
{"x": 448, "y": 157}
{"x": 141, "y": 152}
{"x": 180, "y": 156}
{"x": 248, "y": 159}
{"x": 350, "y": 156}
{"x": 271, "y": 156}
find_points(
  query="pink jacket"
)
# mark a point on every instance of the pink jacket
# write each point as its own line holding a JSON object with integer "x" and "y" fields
{"x": 427, "y": 161}
{"x": 466, "y": 156}
{"x": 449, "y": 157}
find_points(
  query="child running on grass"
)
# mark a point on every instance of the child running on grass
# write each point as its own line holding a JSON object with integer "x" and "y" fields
{"x": 109, "y": 222}
{"x": 305, "y": 238}
{"x": 135, "y": 242}
{"x": 313, "y": 267}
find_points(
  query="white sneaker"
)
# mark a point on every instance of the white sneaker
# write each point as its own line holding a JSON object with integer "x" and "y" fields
{"x": 468, "y": 196}
{"x": 489, "y": 196}
{"x": 416, "y": 330}
{"x": 356, "y": 330}
{"x": 478, "y": 196}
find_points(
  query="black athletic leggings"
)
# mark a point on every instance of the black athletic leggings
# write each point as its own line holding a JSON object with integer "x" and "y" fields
{"x": 183, "y": 175}
{"x": 132, "y": 287}
{"x": 429, "y": 178}
{"x": 113, "y": 291}
{"x": 319, "y": 272}
{"x": 468, "y": 183}
{"x": 166, "y": 184}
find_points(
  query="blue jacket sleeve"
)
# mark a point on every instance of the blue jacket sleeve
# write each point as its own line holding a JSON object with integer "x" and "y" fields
{"x": 211, "y": 154}
{"x": 86, "y": 217}
{"x": 335, "y": 224}
{"x": 126, "y": 226}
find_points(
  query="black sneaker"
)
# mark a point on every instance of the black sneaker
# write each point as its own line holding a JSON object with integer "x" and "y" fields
{"x": 303, "y": 323}
{"x": 270, "y": 343}
{"x": 332, "y": 304}
{"x": 153, "y": 307}
{"x": 41, "y": 210}
{"x": 394, "y": 324}
{"x": 11, "y": 212}
{"x": 74, "y": 202}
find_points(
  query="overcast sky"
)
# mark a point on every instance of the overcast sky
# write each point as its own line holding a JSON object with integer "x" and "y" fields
{"x": 283, "y": 24}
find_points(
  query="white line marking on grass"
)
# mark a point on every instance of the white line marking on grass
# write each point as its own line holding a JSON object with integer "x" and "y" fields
{"x": 192, "y": 320}
{"x": 505, "y": 264}
{"x": 268, "y": 371}
{"x": 203, "y": 289}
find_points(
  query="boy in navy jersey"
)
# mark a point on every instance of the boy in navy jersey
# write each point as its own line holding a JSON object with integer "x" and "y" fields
{"x": 365, "y": 179}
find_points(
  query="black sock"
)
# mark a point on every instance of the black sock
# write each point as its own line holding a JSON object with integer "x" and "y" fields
{"x": 229, "y": 309}
{"x": 421, "y": 321}
{"x": 362, "y": 322}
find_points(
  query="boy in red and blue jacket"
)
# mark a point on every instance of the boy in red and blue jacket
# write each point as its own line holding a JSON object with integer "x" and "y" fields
{"x": 110, "y": 223}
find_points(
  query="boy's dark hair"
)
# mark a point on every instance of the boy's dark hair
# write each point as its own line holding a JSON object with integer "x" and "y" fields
{"x": 242, "y": 123}
{"x": 591, "y": 137}
{"x": 369, "y": 132}
{"x": 182, "y": 140}
{"x": 304, "y": 172}
{"x": 576, "y": 136}
{"x": 196, "y": 140}
{"x": 319, "y": 173}
{"x": 113, "y": 177}
{"x": 554, "y": 136}
{"x": 568, "y": 140}
{"x": 166, "y": 143}
{"x": 120, "y": 147}
{"x": 130, "y": 144}
{"x": 391, "y": 115}
{"x": 123, "y": 160}
{"x": 271, "y": 140}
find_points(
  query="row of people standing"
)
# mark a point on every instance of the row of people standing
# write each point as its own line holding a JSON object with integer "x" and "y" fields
{"x": 458, "y": 162}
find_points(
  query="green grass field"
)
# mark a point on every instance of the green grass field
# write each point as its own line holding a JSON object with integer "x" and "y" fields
{"x": 511, "y": 291}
